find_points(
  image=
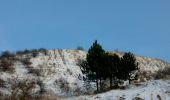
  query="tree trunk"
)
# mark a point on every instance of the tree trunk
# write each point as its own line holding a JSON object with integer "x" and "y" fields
{"x": 110, "y": 82}
{"x": 100, "y": 84}
{"x": 97, "y": 85}
{"x": 129, "y": 80}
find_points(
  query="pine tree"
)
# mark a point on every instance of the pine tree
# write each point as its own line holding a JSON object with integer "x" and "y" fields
{"x": 93, "y": 66}
{"x": 115, "y": 61}
{"x": 128, "y": 67}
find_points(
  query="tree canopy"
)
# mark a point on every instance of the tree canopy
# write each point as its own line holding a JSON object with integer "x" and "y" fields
{"x": 101, "y": 65}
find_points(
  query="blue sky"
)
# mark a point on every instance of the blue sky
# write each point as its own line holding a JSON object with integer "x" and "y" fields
{"x": 139, "y": 26}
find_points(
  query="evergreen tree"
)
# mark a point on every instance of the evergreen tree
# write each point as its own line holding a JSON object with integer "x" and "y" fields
{"x": 115, "y": 62}
{"x": 128, "y": 67}
{"x": 93, "y": 66}
{"x": 100, "y": 65}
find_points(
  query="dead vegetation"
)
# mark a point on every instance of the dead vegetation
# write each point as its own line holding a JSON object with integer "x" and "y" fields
{"x": 24, "y": 90}
{"x": 7, "y": 61}
{"x": 163, "y": 73}
{"x": 20, "y": 89}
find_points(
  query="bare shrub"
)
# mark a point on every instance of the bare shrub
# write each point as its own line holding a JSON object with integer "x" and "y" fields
{"x": 35, "y": 71}
{"x": 42, "y": 87}
{"x": 38, "y": 71}
{"x": 7, "y": 60}
{"x": 2, "y": 83}
{"x": 26, "y": 61}
{"x": 144, "y": 76}
{"x": 77, "y": 91}
{"x": 69, "y": 71}
{"x": 6, "y": 64}
{"x": 21, "y": 89}
{"x": 138, "y": 98}
{"x": 163, "y": 74}
{"x": 64, "y": 85}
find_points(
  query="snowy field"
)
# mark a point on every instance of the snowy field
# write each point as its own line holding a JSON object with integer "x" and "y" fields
{"x": 151, "y": 90}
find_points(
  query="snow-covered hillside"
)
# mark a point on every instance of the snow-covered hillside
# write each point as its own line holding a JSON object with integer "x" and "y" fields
{"x": 57, "y": 73}
{"x": 148, "y": 64}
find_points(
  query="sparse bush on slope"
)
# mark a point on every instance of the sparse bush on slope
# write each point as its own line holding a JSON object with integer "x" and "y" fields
{"x": 7, "y": 61}
{"x": 21, "y": 89}
{"x": 163, "y": 73}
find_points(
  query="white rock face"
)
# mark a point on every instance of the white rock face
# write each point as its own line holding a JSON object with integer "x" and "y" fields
{"x": 60, "y": 74}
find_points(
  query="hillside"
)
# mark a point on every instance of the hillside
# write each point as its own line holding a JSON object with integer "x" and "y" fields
{"x": 57, "y": 73}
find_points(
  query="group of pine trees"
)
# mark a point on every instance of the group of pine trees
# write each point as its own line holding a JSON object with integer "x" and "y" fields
{"x": 100, "y": 65}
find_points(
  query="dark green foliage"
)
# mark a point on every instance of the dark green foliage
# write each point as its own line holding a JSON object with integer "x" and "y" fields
{"x": 26, "y": 51}
{"x": 34, "y": 52}
{"x": 100, "y": 65}
{"x": 112, "y": 71}
{"x": 92, "y": 66}
{"x": 80, "y": 48}
{"x": 128, "y": 66}
{"x": 42, "y": 50}
{"x": 6, "y": 54}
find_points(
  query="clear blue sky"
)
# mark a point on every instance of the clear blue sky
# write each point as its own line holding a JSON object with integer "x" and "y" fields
{"x": 139, "y": 26}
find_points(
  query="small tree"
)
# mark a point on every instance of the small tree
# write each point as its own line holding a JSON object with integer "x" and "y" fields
{"x": 92, "y": 66}
{"x": 114, "y": 62}
{"x": 128, "y": 67}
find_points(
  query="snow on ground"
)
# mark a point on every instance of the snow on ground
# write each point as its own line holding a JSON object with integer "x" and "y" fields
{"x": 151, "y": 90}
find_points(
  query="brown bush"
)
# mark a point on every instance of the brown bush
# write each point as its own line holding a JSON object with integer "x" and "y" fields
{"x": 21, "y": 89}
{"x": 6, "y": 64}
{"x": 64, "y": 85}
{"x": 34, "y": 71}
{"x": 42, "y": 86}
{"x": 143, "y": 76}
{"x": 26, "y": 61}
{"x": 2, "y": 83}
{"x": 163, "y": 73}
{"x": 69, "y": 71}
